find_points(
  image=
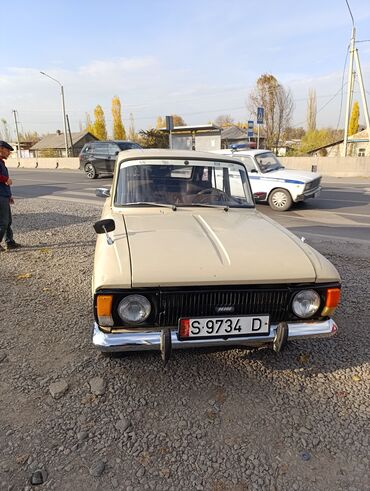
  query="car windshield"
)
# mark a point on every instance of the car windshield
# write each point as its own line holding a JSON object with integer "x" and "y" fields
{"x": 268, "y": 162}
{"x": 153, "y": 182}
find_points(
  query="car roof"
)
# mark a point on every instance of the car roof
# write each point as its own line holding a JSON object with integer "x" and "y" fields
{"x": 235, "y": 153}
{"x": 167, "y": 154}
{"x": 112, "y": 141}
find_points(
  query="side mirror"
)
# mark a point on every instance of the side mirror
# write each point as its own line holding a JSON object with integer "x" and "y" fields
{"x": 104, "y": 226}
{"x": 102, "y": 192}
{"x": 116, "y": 153}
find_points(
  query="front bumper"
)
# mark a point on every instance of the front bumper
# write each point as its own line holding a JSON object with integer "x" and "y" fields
{"x": 312, "y": 193}
{"x": 150, "y": 340}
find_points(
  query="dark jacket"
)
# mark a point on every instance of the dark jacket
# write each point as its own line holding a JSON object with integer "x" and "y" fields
{"x": 5, "y": 191}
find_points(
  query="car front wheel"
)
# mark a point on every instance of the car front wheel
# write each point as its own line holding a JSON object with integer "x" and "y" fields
{"x": 280, "y": 200}
{"x": 91, "y": 171}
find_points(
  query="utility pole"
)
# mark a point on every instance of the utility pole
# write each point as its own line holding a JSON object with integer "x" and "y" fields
{"x": 63, "y": 110}
{"x": 70, "y": 136}
{"x": 353, "y": 55}
{"x": 19, "y": 155}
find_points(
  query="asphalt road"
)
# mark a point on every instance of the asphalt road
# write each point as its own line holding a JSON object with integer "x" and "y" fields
{"x": 342, "y": 211}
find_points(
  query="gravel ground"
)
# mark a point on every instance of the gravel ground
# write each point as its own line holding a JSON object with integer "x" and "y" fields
{"x": 235, "y": 420}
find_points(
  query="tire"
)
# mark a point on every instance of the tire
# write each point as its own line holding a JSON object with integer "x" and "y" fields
{"x": 90, "y": 171}
{"x": 280, "y": 200}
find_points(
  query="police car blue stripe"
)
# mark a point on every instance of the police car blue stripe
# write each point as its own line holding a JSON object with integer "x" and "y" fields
{"x": 290, "y": 181}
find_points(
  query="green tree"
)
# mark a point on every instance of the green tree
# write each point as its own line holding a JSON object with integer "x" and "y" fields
{"x": 100, "y": 130}
{"x": 119, "y": 132}
{"x": 278, "y": 105}
{"x": 154, "y": 138}
{"x": 353, "y": 122}
{"x": 315, "y": 139}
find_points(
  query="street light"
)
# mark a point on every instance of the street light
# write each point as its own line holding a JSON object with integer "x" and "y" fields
{"x": 63, "y": 109}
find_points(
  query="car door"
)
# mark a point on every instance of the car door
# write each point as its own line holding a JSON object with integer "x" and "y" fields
{"x": 255, "y": 177}
{"x": 101, "y": 157}
{"x": 113, "y": 150}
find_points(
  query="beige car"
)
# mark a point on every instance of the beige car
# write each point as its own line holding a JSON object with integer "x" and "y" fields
{"x": 183, "y": 259}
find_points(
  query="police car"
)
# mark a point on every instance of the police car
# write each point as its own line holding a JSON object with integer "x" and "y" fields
{"x": 274, "y": 184}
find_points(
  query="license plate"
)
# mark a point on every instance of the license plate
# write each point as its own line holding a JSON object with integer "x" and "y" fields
{"x": 250, "y": 325}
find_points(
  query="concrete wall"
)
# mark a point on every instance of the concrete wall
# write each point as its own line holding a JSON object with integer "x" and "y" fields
{"x": 45, "y": 163}
{"x": 333, "y": 166}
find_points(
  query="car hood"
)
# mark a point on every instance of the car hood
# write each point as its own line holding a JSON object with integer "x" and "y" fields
{"x": 162, "y": 247}
{"x": 296, "y": 176}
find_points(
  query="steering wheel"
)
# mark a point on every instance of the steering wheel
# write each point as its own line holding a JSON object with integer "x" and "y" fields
{"x": 207, "y": 195}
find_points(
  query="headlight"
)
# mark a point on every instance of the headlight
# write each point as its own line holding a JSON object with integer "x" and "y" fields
{"x": 134, "y": 309}
{"x": 306, "y": 303}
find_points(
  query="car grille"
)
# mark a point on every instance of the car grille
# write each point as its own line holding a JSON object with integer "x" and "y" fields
{"x": 313, "y": 184}
{"x": 224, "y": 303}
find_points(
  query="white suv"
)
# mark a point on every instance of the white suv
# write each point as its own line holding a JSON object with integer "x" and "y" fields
{"x": 274, "y": 184}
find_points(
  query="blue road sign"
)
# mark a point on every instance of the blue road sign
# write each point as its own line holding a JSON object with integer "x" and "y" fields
{"x": 250, "y": 128}
{"x": 260, "y": 115}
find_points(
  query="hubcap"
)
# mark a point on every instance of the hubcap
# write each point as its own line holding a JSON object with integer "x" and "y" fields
{"x": 279, "y": 199}
{"x": 90, "y": 170}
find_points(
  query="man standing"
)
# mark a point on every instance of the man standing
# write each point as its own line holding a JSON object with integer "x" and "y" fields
{"x": 6, "y": 200}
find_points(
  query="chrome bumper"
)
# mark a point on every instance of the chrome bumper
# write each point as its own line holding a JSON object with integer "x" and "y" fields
{"x": 312, "y": 193}
{"x": 142, "y": 341}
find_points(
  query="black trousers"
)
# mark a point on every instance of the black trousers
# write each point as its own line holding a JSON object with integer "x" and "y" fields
{"x": 5, "y": 221}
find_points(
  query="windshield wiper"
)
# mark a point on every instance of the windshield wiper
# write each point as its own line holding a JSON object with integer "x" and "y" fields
{"x": 270, "y": 169}
{"x": 225, "y": 207}
{"x": 151, "y": 203}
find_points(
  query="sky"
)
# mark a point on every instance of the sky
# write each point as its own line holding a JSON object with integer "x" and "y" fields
{"x": 199, "y": 58}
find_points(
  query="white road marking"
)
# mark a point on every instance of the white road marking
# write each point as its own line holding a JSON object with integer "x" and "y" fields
{"x": 331, "y": 213}
{"x": 333, "y": 219}
{"x": 344, "y": 201}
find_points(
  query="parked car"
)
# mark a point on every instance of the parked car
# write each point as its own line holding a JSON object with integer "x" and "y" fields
{"x": 272, "y": 183}
{"x": 99, "y": 157}
{"x": 183, "y": 259}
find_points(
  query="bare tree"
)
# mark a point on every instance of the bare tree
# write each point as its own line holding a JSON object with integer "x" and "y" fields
{"x": 311, "y": 110}
{"x": 5, "y": 132}
{"x": 132, "y": 135}
{"x": 224, "y": 120}
{"x": 278, "y": 105}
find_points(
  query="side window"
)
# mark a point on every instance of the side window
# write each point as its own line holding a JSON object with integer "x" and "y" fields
{"x": 101, "y": 149}
{"x": 361, "y": 152}
{"x": 181, "y": 172}
{"x": 248, "y": 162}
{"x": 113, "y": 149}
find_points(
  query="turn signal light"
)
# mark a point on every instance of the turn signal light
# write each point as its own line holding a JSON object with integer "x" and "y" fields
{"x": 331, "y": 302}
{"x": 104, "y": 309}
{"x": 184, "y": 330}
